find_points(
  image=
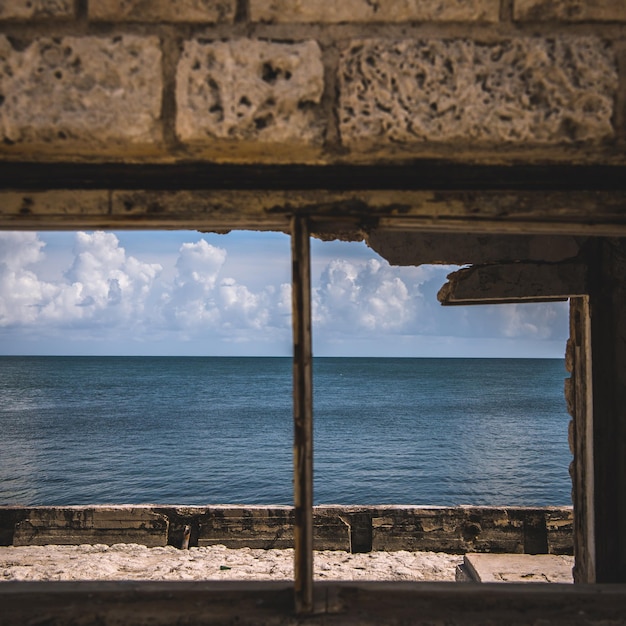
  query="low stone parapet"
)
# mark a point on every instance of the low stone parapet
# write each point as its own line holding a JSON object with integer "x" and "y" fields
{"x": 454, "y": 530}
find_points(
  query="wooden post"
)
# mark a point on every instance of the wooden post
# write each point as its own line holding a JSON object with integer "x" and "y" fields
{"x": 302, "y": 415}
{"x": 607, "y": 309}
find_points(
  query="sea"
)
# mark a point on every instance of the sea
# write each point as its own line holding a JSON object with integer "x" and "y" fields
{"x": 218, "y": 430}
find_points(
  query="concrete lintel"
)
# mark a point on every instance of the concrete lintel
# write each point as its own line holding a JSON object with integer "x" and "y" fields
{"x": 415, "y": 247}
{"x": 339, "y": 214}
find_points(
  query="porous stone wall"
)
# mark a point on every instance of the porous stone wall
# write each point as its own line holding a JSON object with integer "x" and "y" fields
{"x": 321, "y": 81}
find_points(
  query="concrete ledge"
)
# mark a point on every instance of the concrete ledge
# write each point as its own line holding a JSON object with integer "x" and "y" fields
{"x": 65, "y": 604}
{"x": 455, "y": 530}
{"x": 517, "y": 568}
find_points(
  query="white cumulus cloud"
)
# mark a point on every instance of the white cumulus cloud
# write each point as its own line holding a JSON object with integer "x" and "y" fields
{"x": 188, "y": 296}
{"x": 369, "y": 296}
{"x": 199, "y": 265}
{"x": 22, "y": 293}
{"x": 106, "y": 288}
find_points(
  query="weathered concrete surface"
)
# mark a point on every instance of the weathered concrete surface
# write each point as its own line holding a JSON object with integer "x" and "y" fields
{"x": 467, "y": 529}
{"x": 361, "y": 529}
{"x": 415, "y": 248}
{"x": 106, "y": 525}
{"x": 518, "y": 568}
{"x": 523, "y": 90}
{"x": 36, "y": 9}
{"x": 334, "y": 528}
{"x": 331, "y": 11}
{"x": 342, "y": 214}
{"x": 455, "y": 530}
{"x": 63, "y": 202}
{"x": 570, "y": 10}
{"x": 87, "y": 94}
{"x": 365, "y": 604}
{"x": 203, "y": 11}
{"x": 254, "y": 527}
{"x": 515, "y": 282}
{"x": 250, "y": 91}
{"x": 559, "y": 526}
{"x": 582, "y": 213}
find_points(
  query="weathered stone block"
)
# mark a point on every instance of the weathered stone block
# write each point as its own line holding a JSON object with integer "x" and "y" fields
{"x": 211, "y": 11}
{"x": 460, "y": 529}
{"x": 90, "y": 91}
{"x": 408, "y": 528}
{"x": 250, "y": 90}
{"x": 331, "y": 11}
{"x": 272, "y": 527}
{"x": 36, "y": 9}
{"x": 525, "y": 90}
{"x": 560, "y": 529}
{"x": 570, "y": 10}
{"x": 496, "y": 530}
{"x": 76, "y": 525}
{"x": 332, "y": 528}
{"x": 250, "y": 526}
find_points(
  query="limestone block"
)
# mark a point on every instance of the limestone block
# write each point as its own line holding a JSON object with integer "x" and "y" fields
{"x": 331, "y": 11}
{"x": 211, "y": 11}
{"x": 570, "y": 10}
{"x": 250, "y": 90}
{"x": 88, "y": 91}
{"x": 35, "y": 9}
{"x": 523, "y": 90}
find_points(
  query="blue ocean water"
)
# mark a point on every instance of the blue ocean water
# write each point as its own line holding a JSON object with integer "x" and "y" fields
{"x": 218, "y": 430}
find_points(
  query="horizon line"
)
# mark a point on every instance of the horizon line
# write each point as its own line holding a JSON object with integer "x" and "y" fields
{"x": 270, "y": 356}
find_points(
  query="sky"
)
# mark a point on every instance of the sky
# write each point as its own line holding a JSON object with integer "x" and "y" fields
{"x": 194, "y": 294}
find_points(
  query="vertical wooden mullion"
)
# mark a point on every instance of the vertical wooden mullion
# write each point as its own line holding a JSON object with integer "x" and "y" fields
{"x": 581, "y": 439}
{"x": 302, "y": 415}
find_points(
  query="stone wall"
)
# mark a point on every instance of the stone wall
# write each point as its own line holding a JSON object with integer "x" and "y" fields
{"x": 455, "y": 530}
{"x": 284, "y": 81}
